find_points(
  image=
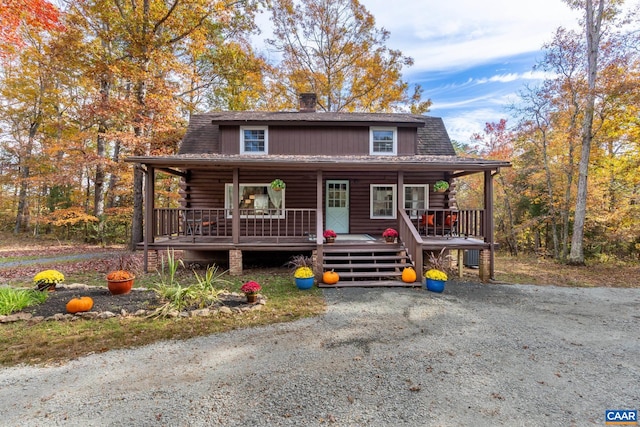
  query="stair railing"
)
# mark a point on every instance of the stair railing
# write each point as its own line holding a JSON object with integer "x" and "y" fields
{"x": 411, "y": 240}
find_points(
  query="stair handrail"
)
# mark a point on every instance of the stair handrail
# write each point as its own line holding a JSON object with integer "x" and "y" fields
{"x": 411, "y": 239}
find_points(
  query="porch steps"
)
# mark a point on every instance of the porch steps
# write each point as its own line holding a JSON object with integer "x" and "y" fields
{"x": 367, "y": 265}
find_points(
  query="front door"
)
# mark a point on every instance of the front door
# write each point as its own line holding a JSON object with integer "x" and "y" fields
{"x": 337, "y": 206}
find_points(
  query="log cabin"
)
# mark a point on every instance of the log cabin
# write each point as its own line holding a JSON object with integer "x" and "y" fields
{"x": 357, "y": 174}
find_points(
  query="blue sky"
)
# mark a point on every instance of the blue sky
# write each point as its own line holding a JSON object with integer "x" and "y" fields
{"x": 471, "y": 57}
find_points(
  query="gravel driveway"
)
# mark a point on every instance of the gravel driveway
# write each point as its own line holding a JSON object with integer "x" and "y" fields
{"x": 476, "y": 355}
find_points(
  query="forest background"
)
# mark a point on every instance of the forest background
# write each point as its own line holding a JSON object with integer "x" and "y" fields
{"x": 86, "y": 83}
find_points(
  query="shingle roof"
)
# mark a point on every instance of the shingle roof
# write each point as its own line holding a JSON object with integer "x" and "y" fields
{"x": 202, "y": 136}
{"x": 313, "y": 117}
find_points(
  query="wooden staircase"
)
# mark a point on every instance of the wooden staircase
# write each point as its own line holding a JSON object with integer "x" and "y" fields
{"x": 367, "y": 265}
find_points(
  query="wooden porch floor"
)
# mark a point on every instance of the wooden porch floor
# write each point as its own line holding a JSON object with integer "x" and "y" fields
{"x": 260, "y": 243}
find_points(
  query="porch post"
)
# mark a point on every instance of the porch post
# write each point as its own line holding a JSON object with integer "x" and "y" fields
{"x": 319, "y": 222}
{"x": 400, "y": 190}
{"x": 148, "y": 214}
{"x": 235, "y": 209}
{"x": 487, "y": 271}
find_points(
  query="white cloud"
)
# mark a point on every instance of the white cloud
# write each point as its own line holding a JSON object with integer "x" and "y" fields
{"x": 460, "y": 33}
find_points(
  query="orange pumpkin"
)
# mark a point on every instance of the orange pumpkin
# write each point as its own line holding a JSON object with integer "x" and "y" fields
{"x": 330, "y": 277}
{"x": 409, "y": 275}
{"x": 78, "y": 305}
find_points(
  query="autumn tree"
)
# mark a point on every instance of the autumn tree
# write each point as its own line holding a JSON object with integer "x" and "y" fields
{"x": 334, "y": 49}
{"x": 18, "y": 15}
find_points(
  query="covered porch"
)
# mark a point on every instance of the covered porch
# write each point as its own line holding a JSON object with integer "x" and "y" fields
{"x": 300, "y": 228}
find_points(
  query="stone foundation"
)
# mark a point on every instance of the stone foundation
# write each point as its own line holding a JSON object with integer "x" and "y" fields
{"x": 485, "y": 265}
{"x": 235, "y": 262}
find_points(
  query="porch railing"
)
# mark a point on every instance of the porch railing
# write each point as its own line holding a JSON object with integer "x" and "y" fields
{"x": 411, "y": 239}
{"x": 177, "y": 222}
{"x": 448, "y": 222}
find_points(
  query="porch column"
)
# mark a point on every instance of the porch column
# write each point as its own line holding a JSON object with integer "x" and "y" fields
{"x": 148, "y": 214}
{"x": 488, "y": 227}
{"x": 235, "y": 209}
{"x": 319, "y": 223}
{"x": 400, "y": 190}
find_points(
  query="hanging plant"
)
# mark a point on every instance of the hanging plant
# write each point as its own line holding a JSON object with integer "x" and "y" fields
{"x": 441, "y": 186}
{"x": 278, "y": 184}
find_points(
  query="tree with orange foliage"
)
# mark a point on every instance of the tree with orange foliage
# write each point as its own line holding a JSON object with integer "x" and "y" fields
{"x": 14, "y": 14}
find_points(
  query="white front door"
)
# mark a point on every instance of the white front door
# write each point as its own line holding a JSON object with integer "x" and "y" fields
{"x": 337, "y": 206}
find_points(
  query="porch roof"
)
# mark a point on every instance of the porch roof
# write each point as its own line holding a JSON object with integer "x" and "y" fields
{"x": 367, "y": 163}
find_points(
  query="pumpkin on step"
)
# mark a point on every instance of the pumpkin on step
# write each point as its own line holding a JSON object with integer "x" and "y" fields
{"x": 330, "y": 277}
{"x": 409, "y": 275}
{"x": 79, "y": 305}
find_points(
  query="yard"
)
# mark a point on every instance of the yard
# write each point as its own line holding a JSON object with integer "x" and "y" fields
{"x": 52, "y": 342}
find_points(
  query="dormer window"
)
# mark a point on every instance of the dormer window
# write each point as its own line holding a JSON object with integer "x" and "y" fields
{"x": 383, "y": 141}
{"x": 254, "y": 140}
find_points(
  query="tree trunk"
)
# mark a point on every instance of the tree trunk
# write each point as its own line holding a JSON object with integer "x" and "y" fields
{"x": 23, "y": 216}
{"x": 593, "y": 25}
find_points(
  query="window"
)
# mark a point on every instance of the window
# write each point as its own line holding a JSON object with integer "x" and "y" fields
{"x": 254, "y": 140}
{"x": 415, "y": 199}
{"x": 383, "y": 201}
{"x": 256, "y": 199}
{"x": 383, "y": 141}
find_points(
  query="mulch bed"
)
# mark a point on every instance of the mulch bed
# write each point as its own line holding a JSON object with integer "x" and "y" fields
{"x": 137, "y": 299}
{"x": 102, "y": 301}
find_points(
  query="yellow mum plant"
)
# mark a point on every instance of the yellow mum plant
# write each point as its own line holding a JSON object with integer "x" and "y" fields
{"x": 48, "y": 279}
{"x": 303, "y": 273}
{"x": 434, "y": 274}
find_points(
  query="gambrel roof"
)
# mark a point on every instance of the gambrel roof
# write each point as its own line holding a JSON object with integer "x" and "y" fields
{"x": 202, "y": 136}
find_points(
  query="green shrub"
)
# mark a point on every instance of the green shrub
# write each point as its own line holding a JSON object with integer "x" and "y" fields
{"x": 12, "y": 300}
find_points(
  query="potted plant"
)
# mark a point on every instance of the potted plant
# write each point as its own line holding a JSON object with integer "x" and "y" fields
{"x": 390, "y": 235}
{"x": 120, "y": 282}
{"x": 303, "y": 272}
{"x": 330, "y": 236}
{"x": 435, "y": 277}
{"x": 441, "y": 186}
{"x": 47, "y": 280}
{"x": 251, "y": 289}
{"x": 278, "y": 184}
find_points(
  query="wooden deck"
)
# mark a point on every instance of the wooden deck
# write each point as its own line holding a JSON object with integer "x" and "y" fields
{"x": 204, "y": 243}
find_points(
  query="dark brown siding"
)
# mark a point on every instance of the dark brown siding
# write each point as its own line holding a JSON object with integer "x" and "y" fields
{"x": 205, "y": 190}
{"x": 317, "y": 140}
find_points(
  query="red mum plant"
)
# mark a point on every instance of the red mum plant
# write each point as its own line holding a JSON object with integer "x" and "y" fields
{"x": 250, "y": 288}
{"x": 329, "y": 233}
{"x": 389, "y": 232}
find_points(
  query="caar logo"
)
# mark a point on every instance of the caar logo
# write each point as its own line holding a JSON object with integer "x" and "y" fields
{"x": 621, "y": 417}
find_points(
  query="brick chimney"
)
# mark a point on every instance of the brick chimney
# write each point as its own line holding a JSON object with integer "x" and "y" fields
{"x": 308, "y": 102}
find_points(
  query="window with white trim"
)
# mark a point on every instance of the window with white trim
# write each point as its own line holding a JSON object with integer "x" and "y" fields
{"x": 416, "y": 199}
{"x": 256, "y": 200}
{"x": 254, "y": 140}
{"x": 383, "y": 201}
{"x": 383, "y": 141}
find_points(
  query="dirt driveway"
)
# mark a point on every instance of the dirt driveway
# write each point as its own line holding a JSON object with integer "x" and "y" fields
{"x": 477, "y": 355}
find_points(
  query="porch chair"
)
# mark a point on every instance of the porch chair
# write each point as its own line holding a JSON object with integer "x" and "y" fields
{"x": 432, "y": 224}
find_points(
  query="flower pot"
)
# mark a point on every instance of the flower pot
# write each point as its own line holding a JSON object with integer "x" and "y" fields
{"x": 435, "y": 285}
{"x": 120, "y": 287}
{"x": 330, "y": 239}
{"x": 252, "y": 298}
{"x": 304, "y": 283}
{"x": 390, "y": 239}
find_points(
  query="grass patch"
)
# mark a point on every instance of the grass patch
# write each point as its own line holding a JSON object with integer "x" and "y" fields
{"x": 543, "y": 271}
{"x": 57, "y": 342}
